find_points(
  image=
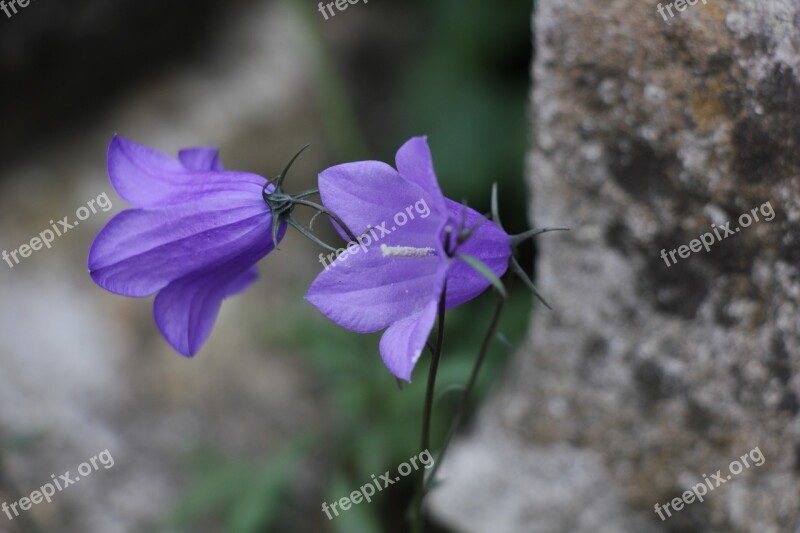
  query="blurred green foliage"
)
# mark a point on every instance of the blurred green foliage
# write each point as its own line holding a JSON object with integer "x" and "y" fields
{"x": 468, "y": 92}
{"x": 243, "y": 495}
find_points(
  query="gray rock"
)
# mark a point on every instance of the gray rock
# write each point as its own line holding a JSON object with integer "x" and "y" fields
{"x": 558, "y": 488}
{"x": 647, "y": 132}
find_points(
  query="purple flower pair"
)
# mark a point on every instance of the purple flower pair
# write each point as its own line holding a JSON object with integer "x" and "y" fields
{"x": 197, "y": 232}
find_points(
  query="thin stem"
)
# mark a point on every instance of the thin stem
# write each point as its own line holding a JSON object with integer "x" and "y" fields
{"x": 305, "y": 194}
{"x": 516, "y": 240}
{"x": 289, "y": 165}
{"x": 473, "y": 378}
{"x": 520, "y": 273}
{"x": 313, "y": 238}
{"x": 426, "y": 414}
{"x": 331, "y": 214}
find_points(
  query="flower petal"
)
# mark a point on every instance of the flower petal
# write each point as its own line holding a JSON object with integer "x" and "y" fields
{"x": 148, "y": 178}
{"x": 366, "y": 292}
{"x": 489, "y": 243}
{"x": 140, "y": 251}
{"x": 243, "y": 282}
{"x": 200, "y": 158}
{"x": 415, "y": 164}
{"x": 368, "y": 193}
{"x": 185, "y": 311}
{"x": 402, "y": 344}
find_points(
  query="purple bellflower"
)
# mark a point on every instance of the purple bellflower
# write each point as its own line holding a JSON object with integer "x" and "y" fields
{"x": 194, "y": 237}
{"x": 396, "y": 284}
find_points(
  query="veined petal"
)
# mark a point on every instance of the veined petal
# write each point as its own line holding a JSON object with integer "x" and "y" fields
{"x": 489, "y": 243}
{"x": 367, "y": 291}
{"x": 402, "y": 344}
{"x": 140, "y": 251}
{"x": 244, "y": 280}
{"x": 148, "y": 178}
{"x": 367, "y": 193}
{"x": 186, "y": 309}
{"x": 415, "y": 164}
{"x": 200, "y": 158}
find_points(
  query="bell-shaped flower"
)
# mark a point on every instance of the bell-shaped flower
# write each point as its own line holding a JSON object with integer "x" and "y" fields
{"x": 392, "y": 279}
{"x": 194, "y": 237}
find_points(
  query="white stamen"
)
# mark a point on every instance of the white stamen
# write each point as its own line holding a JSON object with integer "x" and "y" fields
{"x": 406, "y": 251}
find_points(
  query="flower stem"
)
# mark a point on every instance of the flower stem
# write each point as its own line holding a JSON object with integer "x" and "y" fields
{"x": 473, "y": 378}
{"x": 331, "y": 214}
{"x": 426, "y": 415}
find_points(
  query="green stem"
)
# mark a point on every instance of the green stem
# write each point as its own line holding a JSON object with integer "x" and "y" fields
{"x": 306, "y": 194}
{"x": 310, "y": 236}
{"x": 516, "y": 240}
{"x": 331, "y": 214}
{"x": 426, "y": 415}
{"x": 473, "y": 378}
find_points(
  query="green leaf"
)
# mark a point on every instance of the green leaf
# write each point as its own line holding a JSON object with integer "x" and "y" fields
{"x": 481, "y": 268}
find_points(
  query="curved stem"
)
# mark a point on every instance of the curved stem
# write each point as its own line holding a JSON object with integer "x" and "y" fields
{"x": 313, "y": 238}
{"x": 473, "y": 378}
{"x": 426, "y": 415}
{"x": 289, "y": 165}
{"x": 331, "y": 214}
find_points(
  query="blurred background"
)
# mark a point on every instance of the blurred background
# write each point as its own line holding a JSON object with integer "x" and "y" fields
{"x": 281, "y": 410}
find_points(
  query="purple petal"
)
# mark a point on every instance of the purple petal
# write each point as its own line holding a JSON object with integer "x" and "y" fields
{"x": 200, "y": 158}
{"x": 148, "y": 178}
{"x": 402, "y": 344}
{"x": 185, "y": 311}
{"x": 140, "y": 251}
{"x": 366, "y": 292}
{"x": 489, "y": 243}
{"x": 243, "y": 282}
{"x": 368, "y": 193}
{"x": 415, "y": 164}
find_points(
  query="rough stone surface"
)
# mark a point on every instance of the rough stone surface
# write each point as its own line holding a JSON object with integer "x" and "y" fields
{"x": 539, "y": 490}
{"x": 646, "y": 133}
